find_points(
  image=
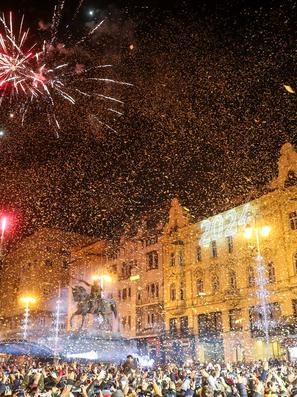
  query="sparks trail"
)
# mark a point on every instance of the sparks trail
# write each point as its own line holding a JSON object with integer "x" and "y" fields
{"x": 44, "y": 74}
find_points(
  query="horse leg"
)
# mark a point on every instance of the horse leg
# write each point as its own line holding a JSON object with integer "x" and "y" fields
{"x": 83, "y": 317}
{"x": 71, "y": 319}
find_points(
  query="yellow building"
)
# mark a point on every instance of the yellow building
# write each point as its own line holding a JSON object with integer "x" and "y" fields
{"x": 219, "y": 299}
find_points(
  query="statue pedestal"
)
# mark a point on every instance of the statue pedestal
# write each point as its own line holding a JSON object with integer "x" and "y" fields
{"x": 97, "y": 345}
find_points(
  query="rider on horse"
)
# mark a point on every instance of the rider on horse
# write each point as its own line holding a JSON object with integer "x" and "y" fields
{"x": 95, "y": 295}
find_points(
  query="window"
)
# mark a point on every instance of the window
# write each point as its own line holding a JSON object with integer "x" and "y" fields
{"x": 293, "y": 220}
{"x": 126, "y": 270}
{"x": 251, "y": 277}
{"x": 124, "y": 294}
{"x": 214, "y": 250}
{"x": 210, "y": 324}
{"x": 232, "y": 280}
{"x": 129, "y": 292}
{"x": 198, "y": 254}
{"x": 138, "y": 297}
{"x": 172, "y": 259}
{"x": 230, "y": 244}
{"x": 294, "y": 303}
{"x": 119, "y": 294}
{"x": 181, "y": 259}
{"x": 215, "y": 283}
{"x": 157, "y": 290}
{"x": 151, "y": 241}
{"x": 199, "y": 286}
{"x": 271, "y": 273}
{"x": 184, "y": 325}
{"x": 173, "y": 326}
{"x": 182, "y": 293}
{"x": 152, "y": 260}
{"x": 48, "y": 263}
{"x": 65, "y": 264}
{"x": 235, "y": 320}
{"x": 129, "y": 322}
{"x": 295, "y": 262}
{"x": 172, "y": 292}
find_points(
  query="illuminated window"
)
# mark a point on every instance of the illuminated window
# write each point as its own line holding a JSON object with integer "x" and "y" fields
{"x": 251, "y": 277}
{"x": 172, "y": 259}
{"x": 200, "y": 286}
{"x": 293, "y": 220}
{"x": 215, "y": 283}
{"x": 214, "y": 250}
{"x": 232, "y": 280}
{"x": 230, "y": 244}
{"x": 271, "y": 273}
{"x": 172, "y": 292}
{"x": 198, "y": 254}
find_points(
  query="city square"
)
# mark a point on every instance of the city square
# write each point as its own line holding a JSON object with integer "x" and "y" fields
{"x": 148, "y": 212}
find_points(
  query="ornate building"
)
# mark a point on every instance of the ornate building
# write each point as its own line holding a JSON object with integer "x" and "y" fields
{"x": 134, "y": 264}
{"x": 229, "y": 297}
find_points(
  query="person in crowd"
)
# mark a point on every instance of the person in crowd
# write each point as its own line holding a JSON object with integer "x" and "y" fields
{"x": 258, "y": 379}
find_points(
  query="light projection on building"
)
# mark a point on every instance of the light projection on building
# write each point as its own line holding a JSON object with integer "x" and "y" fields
{"x": 224, "y": 225}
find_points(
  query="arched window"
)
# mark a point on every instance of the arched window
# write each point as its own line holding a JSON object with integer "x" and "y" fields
{"x": 200, "y": 286}
{"x": 215, "y": 283}
{"x": 172, "y": 292}
{"x": 271, "y": 273}
{"x": 232, "y": 279}
{"x": 295, "y": 262}
{"x": 251, "y": 276}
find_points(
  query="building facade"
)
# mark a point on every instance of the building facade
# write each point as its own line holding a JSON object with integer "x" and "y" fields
{"x": 38, "y": 267}
{"x": 134, "y": 265}
{"x": 213, "y": 303}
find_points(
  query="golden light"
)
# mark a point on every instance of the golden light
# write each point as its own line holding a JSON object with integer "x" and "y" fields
{"x": 104, "y": 277}
{"x": 28, "y": 300}
{"x": 265, "y": 231}
{"x": 202, "y": 293}
{"x": 248, "y": 232}
{"x": 135, "y": 278}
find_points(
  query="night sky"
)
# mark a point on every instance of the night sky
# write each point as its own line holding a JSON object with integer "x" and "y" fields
{"x": 204, "y": 119}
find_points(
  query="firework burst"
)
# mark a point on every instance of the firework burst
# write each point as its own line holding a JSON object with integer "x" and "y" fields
{"x": 34, "y": 74}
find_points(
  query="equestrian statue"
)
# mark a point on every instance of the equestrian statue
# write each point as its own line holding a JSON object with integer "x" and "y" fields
{"x": 92, "y": 303}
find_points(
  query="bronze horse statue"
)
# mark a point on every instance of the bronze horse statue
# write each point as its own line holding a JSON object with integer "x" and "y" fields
{"x": 87, "y": 305}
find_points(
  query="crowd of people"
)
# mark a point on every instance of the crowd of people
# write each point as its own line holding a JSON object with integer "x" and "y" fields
{"x": 29, "y": 378}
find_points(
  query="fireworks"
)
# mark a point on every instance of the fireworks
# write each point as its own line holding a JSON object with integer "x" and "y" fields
{"x": 41, "y": 74}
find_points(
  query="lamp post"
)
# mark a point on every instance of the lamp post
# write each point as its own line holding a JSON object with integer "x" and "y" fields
{"x": 261, "y": 277}
{"x": 3, "y": 228}
{"x": 27, "y": 301}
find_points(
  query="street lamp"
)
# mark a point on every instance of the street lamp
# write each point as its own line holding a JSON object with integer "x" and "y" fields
{"x": 27, "y": 301}
{"x": 3, "y": 228}
{"x": 261, "y": 279}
